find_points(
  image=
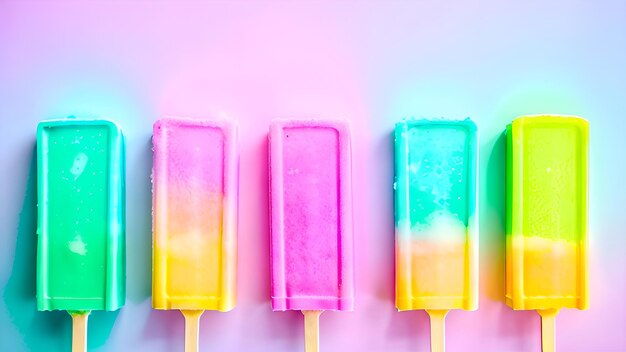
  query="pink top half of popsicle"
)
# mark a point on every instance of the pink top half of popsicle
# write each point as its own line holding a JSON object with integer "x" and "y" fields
{"x": 311, "y": 215}
{"x": 190, "y": 176}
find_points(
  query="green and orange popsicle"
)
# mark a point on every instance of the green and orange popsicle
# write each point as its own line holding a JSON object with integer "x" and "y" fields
{"x": 546, "y": 228}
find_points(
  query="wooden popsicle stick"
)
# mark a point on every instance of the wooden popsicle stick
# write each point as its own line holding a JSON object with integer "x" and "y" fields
{"x": 548, "y": 317}
{"x": 79, "y": 331}
{"x": 312, "y": 330}
{"x": 437, "y": 329}
{"x": 192, "y": 327}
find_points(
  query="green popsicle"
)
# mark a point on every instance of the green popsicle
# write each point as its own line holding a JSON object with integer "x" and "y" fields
{"x": 81, "y": 218}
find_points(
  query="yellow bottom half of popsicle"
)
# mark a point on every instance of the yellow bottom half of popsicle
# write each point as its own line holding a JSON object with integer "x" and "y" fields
{"x": 191, "y": 271}
{"x": 434, "y": 274}
{"x": 544, "y": 273}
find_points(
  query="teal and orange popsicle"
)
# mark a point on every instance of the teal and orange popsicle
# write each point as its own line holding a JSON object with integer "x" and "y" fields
{"x": 436, "y": 219}
{"x": 81, "y": 220}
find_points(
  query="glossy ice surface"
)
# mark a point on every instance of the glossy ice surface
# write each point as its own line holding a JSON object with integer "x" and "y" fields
{"x": 311, "y": 215}
{"x": 81, "y": 220}
{"x": 435, "y": 213}
{"x": 546, "y": 254}
{"x": 195, "y": 201}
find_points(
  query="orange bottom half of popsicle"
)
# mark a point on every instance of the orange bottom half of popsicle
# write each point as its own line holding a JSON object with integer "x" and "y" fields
{"x": 435, "y": 274}
{"x": 544, "y": 273}
{"x": 194, "y": 271}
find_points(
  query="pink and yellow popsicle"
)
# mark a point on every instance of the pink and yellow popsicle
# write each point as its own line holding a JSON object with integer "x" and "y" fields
{"x": 195, "y": 204}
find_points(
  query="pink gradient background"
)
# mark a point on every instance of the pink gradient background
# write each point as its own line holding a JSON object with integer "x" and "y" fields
{"x": 371, "y": 62}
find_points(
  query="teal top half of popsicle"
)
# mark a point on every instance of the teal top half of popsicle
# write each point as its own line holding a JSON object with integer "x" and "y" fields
{"x": 81, "y": 215}
{"x": 435, "y": 171}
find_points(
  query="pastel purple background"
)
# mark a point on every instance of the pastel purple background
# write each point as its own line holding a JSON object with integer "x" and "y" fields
{"x": 371, "y": 62}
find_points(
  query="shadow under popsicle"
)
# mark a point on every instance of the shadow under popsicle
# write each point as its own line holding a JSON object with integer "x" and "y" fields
{"x": 409, "y": 327}
{"x": 493, "y": 248}
{"x": 41, "y": 330}
{"x": 254, "y": 289}
{"x": 139, "y": 230}
{"x": 385, "y": 152}
{"x": 493, "y": 220}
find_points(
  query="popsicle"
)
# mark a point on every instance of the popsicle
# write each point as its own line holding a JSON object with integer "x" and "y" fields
{"x": 311, "y": 220}
{"x": 436, "y": 219}
{"x": 546, "y": 228}
{"x": 81, "y": 220}
{"x": 195, "y": 179}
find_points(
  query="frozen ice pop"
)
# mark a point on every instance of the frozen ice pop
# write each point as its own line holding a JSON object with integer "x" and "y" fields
{"x": 195, "y": 180}
{"x": 546, "y": 228}
{"x": 311, "y": 219}
{"x": 436, "y": 219}
{"x": 81, "y": 220}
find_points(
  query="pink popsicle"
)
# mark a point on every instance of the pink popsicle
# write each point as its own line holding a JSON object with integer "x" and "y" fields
{"x": 311, "y": 216}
